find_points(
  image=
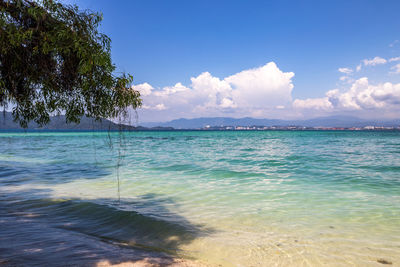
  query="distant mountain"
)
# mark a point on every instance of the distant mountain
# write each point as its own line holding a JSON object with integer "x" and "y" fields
{"x": 59, "y": 123}
{"x": 89, "y": 124}
{"x": 332, "y": 121}
{"x": 217, "y": 121}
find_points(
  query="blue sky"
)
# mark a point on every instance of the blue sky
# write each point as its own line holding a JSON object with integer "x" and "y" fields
{"x": 163, "y": 43}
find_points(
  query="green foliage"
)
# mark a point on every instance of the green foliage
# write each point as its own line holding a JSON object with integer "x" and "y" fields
{"x": 54, "y": 60}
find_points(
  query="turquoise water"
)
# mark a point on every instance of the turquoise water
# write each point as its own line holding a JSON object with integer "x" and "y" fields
{"x": 218, "y": 198}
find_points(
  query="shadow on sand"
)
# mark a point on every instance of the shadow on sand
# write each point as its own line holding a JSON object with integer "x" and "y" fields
{"x": 58, "y": 232}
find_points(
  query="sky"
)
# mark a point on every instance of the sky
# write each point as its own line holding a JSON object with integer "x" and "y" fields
{"x": 261, "y": 59}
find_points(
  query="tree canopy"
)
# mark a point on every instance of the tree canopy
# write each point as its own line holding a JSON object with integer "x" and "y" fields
{"x": 53, "y": 59}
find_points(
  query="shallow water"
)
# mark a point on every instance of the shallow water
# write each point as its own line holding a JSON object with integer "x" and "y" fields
{"x": 229, "y": 198}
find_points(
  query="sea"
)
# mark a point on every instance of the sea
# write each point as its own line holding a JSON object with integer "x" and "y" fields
{"x": 216, "y": 198}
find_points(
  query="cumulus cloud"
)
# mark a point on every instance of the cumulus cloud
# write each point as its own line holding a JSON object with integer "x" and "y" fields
{"x": 227, "y": 103}
{"x": 170, "y": 90}
{"x": 266, "y": 92}
{"x": 374, "y": 61}
{"x": 360, "y": 96}
{"x": 259, "y": 91}
{"x": 260, "y": 87}
{"x": 313, "y": 103}
{"x": 144, "y": 89}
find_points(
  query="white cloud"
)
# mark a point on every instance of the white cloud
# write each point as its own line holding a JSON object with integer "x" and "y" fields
{"x": 209, "y": 92}
{"x": 169, "y": 90}
{"x": 266, "y": 86}
{"x": 347, "y": 74}
{"x": 254, "y": 91}
{"x": 266, "y": 92}
{"x": 313, "y": 103}
{"x": 144, "y": 89}
{"x": 393, "y": 59}
{"x": 396, "y": 69}
{"x": 361, "y": 96}
{"x": 160, "y": 107}
{"x": 156, "y": 107}
{"x": 227, "y": 103}
{"x": 345, "y": 70}
{"x": 374, "y": 61}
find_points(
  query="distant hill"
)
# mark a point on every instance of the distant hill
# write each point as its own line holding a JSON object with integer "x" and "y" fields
{"x": 59, "y": 123}
{"x": 332, "y": 121}
{"x": 89, "y": 124}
